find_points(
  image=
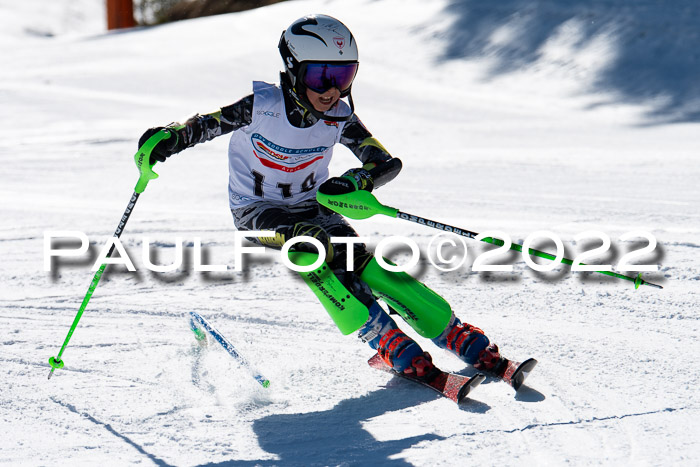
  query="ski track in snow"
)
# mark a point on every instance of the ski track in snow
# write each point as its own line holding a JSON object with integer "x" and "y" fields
{"x": 531, "y": 150}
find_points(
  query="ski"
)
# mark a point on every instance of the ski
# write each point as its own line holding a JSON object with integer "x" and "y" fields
{"x": 516, "y": 372}
{"x": 197, "y": 323}
{"x": 454, "y": 387}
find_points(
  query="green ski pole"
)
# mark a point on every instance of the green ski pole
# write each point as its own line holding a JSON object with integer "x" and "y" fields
{"x": 146, "y": 174}
{"x": 362, "y": 204}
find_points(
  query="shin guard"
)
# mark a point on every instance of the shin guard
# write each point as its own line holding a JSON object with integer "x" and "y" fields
{"x": 348, "y": 313}
{"x": 424, "y": 310}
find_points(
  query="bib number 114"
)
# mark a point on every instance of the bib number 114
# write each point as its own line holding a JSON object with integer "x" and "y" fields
{"x": 286, "y": 189}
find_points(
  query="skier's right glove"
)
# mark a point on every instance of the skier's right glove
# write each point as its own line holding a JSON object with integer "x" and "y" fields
{"x": 165, "y": 147}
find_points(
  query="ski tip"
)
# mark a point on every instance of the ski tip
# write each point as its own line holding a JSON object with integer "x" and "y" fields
{"x": 521, "y": 374}
{"x": 377, "y": 363}
{"x": 476, "y": 380}
{"x": 473, "y": 382}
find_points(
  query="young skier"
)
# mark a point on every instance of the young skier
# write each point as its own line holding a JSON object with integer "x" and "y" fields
{"x": 281, "y": 144}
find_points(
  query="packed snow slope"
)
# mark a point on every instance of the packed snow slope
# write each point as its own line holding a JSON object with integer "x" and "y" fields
{"x": 514, "y": 118}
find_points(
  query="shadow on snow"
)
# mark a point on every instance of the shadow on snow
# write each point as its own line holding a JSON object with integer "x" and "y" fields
{"x": 657, "y": 45}
{"x": 337, "y": 436}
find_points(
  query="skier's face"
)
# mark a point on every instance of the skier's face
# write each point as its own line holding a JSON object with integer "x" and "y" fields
{"x": 323, "y": 102}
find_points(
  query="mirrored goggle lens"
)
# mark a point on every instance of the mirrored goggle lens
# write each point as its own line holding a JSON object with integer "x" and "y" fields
{"x": 321, "y": 77}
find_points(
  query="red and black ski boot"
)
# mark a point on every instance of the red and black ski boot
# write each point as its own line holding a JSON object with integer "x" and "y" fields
{"x": 512, "y": 372}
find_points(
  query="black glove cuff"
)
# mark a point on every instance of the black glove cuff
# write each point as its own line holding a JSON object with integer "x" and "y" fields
{"x": 362, "y": 178}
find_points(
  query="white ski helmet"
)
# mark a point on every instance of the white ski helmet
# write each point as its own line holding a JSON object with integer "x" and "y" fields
{"x": 306, "y": 46}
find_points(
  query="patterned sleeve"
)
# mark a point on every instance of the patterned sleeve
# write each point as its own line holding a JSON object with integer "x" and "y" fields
{"x": 201, "y": 128}
{"x": 361, "y": 142}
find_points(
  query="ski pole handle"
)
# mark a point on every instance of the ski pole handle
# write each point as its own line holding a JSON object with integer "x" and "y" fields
{"x": 143, "y": 163}
{"x": 358, "y": 204}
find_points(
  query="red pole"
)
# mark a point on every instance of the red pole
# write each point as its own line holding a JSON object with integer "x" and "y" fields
{"x": 120, "y": 14}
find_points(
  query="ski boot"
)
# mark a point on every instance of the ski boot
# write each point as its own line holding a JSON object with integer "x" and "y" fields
{"x": 397, "y": 353}
{"x": 403, "y": 354}
{"x": 393, "y": 346}
{"x": 471, "y": 345}
{"x": 464, "y": 340}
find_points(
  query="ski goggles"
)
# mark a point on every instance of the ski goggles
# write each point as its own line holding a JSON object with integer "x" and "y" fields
{"x": 320, "y": 77}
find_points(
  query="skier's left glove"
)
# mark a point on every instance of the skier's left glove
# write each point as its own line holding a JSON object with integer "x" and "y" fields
{"x": 352, "y": 180}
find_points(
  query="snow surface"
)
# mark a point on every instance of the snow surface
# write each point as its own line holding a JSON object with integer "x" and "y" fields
{"x": 521, "y": 129}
